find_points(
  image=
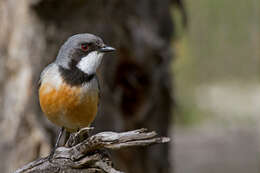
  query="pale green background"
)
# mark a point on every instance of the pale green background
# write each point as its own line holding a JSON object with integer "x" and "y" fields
{"x": 217, "y": 88}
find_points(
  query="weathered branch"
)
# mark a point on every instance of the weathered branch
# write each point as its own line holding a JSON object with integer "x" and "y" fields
{"x": 88, "y": 155}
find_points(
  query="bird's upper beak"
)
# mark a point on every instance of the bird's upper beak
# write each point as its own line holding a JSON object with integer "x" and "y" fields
{"x": 106, "y": 49}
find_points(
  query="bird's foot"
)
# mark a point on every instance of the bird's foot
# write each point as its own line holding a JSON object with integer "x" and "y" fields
{"x": 51, "y": 155}
{"x": 79, "y": 136}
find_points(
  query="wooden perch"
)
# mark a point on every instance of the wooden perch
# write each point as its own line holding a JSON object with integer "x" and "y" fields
{"x": 88, "y": 155}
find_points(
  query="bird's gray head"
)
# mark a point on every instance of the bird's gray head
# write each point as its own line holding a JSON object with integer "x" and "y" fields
{"x": 82, "y": 52}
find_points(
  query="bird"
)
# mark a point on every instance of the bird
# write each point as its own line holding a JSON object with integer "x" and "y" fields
{"x": 69, "y": 89}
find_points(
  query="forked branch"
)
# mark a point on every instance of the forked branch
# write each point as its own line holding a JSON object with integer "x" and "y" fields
{"x": 88, "y": 155}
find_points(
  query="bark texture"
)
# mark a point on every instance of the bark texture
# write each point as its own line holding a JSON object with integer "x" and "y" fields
{"x": 89, "y": 155}
{"x": 135, "y": 82}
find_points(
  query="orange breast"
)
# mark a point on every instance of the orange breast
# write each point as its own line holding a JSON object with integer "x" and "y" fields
{"x": 70, "y": 107}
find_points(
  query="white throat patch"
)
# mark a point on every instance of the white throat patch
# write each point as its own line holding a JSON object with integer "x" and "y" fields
{"x": 90, "y": 63}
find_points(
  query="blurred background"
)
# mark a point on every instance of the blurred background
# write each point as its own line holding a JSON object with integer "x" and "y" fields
{"x": 217, "y": 88}
{"x": 186, "y": 69}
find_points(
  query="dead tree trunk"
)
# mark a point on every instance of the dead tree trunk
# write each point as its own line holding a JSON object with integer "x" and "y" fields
{"x": 136, "y": 82}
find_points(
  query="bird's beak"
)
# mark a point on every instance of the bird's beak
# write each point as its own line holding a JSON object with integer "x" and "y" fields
{"x": 106, "y": 49}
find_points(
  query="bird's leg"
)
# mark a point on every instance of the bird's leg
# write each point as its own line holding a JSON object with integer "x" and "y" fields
{"x": 56, "y": 144}
{"x": 67, "y": 136}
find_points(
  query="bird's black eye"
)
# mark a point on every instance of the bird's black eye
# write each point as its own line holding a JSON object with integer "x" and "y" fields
{"x": 85, "y": 47}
